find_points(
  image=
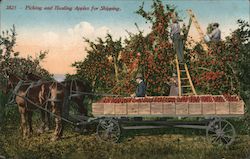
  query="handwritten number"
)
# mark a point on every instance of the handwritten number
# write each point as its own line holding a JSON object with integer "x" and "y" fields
{"x": 11, "y": 7}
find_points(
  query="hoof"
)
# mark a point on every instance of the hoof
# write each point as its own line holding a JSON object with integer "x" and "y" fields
{"x": 46, "y": 129}
{"x": 25, "y": 137}
{"x": 40, "y": 131}
{"x": 55, "y": 138}
{"x": 77, "y": 129}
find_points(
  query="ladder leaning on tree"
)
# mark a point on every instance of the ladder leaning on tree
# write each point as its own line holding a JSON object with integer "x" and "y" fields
{"x": 185, "y": 84}
{"x": 197, "y": 26}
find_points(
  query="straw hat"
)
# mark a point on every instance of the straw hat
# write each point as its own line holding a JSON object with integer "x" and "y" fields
{"x": 139, "y": 75}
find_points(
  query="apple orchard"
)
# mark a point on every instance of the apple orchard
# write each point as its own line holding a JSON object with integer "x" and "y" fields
{"x": 111, "y": 65}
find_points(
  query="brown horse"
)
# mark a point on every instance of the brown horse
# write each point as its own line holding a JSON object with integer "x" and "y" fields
{"x": 33, "y": 95}
{"x": 45, "y": 116}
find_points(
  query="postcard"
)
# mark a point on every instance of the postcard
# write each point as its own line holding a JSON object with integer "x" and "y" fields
{"x": 124, "y": 79}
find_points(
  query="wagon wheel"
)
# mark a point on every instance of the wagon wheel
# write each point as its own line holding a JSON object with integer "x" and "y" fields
{"x": 108, "y": 130}
{"x": 221, "y": 132}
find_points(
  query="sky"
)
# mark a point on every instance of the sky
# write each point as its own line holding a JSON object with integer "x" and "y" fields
{"x": 58, "y": 26}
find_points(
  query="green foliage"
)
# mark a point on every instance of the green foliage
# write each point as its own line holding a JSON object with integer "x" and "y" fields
{"x": 111, "y": 67}
{"x": 101, "y": 64}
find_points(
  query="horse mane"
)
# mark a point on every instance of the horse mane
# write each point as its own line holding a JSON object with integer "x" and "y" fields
{"x": 33, "y": 77}
{"x": 14, "y": 78}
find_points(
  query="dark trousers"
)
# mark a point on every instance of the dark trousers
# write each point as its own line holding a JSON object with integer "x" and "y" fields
{"x": 178, "y": 46}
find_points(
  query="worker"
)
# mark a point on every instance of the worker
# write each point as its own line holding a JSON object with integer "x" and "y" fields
{"x": 141, "y": 87}
{"x": 174, "y": 90}
{"x": 177, "y": 40}
{"x": 215, "y": 35}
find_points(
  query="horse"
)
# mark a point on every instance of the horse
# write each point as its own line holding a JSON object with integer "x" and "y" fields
{"x": 45, "y": 116}
{"x": 36, "y": 95}
{"x": 76, "y": 91}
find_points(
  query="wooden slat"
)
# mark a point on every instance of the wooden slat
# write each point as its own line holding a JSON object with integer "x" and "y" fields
{"x": 156, "y": 108}
{"x": 132, "y": 108}
{"x": 195, "y": 108}
{"x": 179, "y": 76}
{"x": 190, "y": 80}
{"x": 208, "y": 108}
{"x": 98, "y": 108}
{"x": 109, "y": 108}
{"x": 181, "y": 108}
{"x": 169, "y": 108}
{"x": 222, "y": 107}
{"x": 236, "y": 107}
{"x": 121, "y": 108}
{"x": 144, "y": 108}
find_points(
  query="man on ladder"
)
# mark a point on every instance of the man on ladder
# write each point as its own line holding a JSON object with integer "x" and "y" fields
{"x": 184, "y": 79}
{"x": 177, "y": 40}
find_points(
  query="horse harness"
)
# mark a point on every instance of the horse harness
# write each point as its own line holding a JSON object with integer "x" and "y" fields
{"x": 31, "y": 85}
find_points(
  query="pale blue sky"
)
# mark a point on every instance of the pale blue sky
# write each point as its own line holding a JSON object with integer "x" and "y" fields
{"x": 224, "y": 11}
{"x": 61, "y": 32}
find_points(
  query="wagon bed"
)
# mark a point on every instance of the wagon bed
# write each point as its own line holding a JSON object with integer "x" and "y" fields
{"x": 167, "y": 106}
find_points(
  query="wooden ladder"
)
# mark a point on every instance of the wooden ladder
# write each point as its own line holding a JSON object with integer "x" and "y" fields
{"x": 185, "y": 83}
{"x": 197, "y": 25}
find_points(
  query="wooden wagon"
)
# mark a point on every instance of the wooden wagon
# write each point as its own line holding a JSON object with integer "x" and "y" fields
{"x": 112, "y": 113}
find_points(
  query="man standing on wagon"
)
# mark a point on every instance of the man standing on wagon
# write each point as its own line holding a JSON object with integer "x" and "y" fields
{"x": 141, "y": 87}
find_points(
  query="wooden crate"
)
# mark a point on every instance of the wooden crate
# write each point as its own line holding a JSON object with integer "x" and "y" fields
{"x": 121, "y": 108}
{"x": 132, "y": 108}
{"x": 181, "y": 108}
{"x": 208, "y": 108}
{"x": 97, "y": 108}
{"x": 236, "y": 107}
{"x": 195, "y": 108}
{"x": 109, "y": 108}
{"x": 144, "y": 108}
{"x": 156, "y": 108}
{"x": 222, "y": 107}
{"x": 169, "y": 108}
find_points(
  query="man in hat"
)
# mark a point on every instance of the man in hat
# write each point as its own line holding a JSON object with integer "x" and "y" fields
{"x": 215, "y": 35}
{"x": 177, "y": 39}
{"x": 141, "y": 87}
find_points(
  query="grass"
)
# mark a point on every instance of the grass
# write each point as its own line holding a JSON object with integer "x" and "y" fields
{"x": 172, "y": 143}
{"x": 152, "y": 144}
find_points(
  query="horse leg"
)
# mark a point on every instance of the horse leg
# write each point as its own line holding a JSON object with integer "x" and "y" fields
{"x": 30, "y": 113}
{"x": 41, "y": 128}
{"x": 58, "y": 121}
{"x": 23, "y": 126}
{"x": 47, "y": 121}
